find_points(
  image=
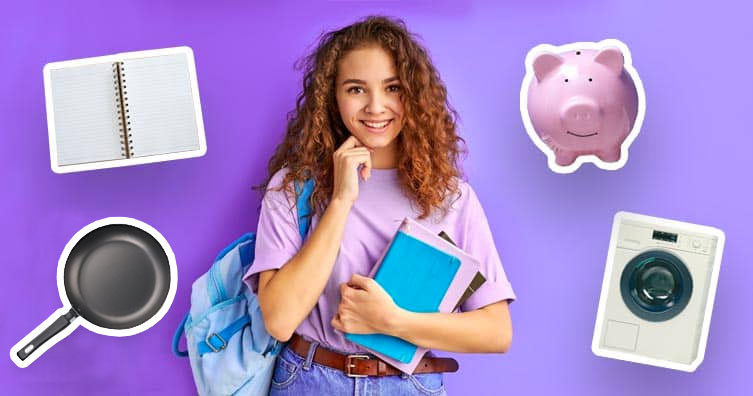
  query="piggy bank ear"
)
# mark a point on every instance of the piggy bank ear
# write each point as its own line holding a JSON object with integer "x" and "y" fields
{"x": 545, "y": 64}
{"x": 611, "y": 57}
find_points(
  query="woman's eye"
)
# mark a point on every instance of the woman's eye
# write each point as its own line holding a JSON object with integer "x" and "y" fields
{"x": 355, "y": 90}
{"x": 394, "y": 88}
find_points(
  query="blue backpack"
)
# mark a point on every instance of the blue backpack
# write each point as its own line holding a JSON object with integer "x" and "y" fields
{"x": 229, "y": 348}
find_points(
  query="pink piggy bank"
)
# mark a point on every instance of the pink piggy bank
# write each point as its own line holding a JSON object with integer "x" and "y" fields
{"x": 582, "y": 99}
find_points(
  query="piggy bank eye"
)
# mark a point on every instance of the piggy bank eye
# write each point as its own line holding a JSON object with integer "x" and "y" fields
{"x": 565, "y": 80}
{"x": 577, "y": 52}
{"x": 590, "y": 79}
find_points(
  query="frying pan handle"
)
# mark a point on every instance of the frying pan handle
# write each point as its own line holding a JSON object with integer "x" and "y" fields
{"x": 56, "y": 327}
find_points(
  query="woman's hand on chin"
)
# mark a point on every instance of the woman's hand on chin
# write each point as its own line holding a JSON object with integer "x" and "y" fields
{"x": 347, "y": 159}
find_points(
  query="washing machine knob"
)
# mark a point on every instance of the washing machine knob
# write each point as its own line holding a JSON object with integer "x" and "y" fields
{"x": 696, "y": 244}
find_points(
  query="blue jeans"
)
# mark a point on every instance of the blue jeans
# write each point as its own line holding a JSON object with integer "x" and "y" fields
{"x": 296, "y": 375}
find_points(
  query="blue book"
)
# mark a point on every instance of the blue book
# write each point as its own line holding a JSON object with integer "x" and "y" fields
{"x": 417, "y": 275}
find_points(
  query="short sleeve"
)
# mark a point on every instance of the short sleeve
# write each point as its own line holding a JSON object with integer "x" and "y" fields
{"x": 479, "y": 243}
{"x": 277, "y": 235}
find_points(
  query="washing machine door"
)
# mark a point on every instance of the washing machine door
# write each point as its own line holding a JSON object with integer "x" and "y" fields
{"x": 656, "y": 285}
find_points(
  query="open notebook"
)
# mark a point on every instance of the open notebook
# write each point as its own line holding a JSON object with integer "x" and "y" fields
{"x": 123, "y": 109}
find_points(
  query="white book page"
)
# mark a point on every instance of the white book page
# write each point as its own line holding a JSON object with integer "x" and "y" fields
{"x": 161, "y": 107}
{"x": 86, "y": 114}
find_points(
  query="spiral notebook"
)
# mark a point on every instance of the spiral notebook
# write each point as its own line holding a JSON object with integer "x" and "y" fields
{"x": 124, "y": 109}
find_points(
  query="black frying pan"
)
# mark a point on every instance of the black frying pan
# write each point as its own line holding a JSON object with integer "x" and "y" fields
{"x": 116, "y": 277}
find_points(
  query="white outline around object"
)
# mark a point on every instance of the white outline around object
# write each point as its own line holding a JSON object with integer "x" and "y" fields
{"x": 598, "y": 328}
{"x": 587, "y": 45}
{"x": 128, "y": 161}
{"x": 80, "y": 320}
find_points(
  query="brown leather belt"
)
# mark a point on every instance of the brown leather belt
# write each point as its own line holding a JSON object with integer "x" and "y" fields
{"x": 358, "y": 365}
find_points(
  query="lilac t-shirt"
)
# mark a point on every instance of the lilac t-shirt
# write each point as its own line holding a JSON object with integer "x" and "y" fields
{"x": 372, "y": 222}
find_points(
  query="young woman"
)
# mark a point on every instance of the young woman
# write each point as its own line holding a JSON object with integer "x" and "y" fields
{"x": 373, "y": 129}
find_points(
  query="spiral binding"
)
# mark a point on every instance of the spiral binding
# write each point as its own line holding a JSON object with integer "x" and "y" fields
{"x": 121, "y": 102}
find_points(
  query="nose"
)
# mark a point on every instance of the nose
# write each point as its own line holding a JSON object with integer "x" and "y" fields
{"x": 581, "y": 115}
{"x": 376, "y": 104}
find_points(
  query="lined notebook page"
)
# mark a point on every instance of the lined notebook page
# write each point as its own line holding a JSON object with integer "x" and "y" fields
{"x": 160, "y": 105}
{"x": 86, "y": 123}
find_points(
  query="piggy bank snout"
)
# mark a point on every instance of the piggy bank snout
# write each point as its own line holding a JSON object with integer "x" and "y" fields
{"x": 580, "y": 115}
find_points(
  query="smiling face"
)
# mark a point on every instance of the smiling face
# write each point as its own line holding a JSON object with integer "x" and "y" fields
{"x": 368, "y": 98}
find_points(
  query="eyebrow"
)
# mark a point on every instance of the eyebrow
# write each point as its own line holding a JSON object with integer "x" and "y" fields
{"x": 362, "y": 82}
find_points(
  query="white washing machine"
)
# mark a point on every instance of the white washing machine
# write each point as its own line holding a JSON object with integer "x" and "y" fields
{"x": 658, "y": 291}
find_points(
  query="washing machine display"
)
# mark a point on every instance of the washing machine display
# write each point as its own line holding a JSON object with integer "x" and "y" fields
{"x": 658, "y": 291}
{"x": 656, "y": 285}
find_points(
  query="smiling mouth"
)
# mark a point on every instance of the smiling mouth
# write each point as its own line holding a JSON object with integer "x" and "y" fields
{"x": 378, "y": 125}
{"x": 587, "y": 135}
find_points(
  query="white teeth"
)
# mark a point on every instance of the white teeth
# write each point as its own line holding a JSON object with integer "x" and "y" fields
{"x": 376, "y": 125}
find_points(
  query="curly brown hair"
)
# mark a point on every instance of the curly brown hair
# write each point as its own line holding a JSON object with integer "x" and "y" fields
{"x": 428, "y": 145}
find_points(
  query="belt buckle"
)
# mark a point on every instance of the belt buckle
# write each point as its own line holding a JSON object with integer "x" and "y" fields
{"x": 349, "y": 365}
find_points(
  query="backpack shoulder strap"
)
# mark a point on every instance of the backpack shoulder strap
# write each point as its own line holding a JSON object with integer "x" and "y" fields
{"x": 303, "y": 192}
{"x": 249, "y": 236}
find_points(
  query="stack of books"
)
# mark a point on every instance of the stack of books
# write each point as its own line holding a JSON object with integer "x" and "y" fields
{"x": 422, "y": 272}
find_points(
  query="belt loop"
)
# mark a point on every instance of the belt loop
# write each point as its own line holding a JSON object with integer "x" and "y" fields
{"x": 310, "y": 355}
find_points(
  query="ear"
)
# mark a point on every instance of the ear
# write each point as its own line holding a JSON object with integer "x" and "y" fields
{"x": 545, "y": 64}
{"x": 611, "y": 57}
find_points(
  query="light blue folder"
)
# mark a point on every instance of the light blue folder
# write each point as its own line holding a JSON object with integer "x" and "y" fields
{"x": 417, "y": 276}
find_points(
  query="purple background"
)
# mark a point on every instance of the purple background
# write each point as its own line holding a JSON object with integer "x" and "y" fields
{"x": 691, "y": 162}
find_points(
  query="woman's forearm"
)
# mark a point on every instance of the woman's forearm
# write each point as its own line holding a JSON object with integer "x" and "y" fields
{"x": 488, "y": 329}
{"x": 292, "y": 291}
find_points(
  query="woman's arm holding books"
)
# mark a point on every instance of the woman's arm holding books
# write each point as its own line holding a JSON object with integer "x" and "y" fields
{"x": 365, "y": 308}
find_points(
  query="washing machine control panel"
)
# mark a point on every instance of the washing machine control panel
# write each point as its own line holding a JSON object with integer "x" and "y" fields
{"x": 642, "y": 236}
{"x": 664, "y": 236}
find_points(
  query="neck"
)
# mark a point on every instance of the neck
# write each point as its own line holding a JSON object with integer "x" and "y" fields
{"x": 385, "y": 157}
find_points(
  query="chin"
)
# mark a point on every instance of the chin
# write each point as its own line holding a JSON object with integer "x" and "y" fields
{"x": 374, "y": 142}
{"x": 381, "y": 143}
